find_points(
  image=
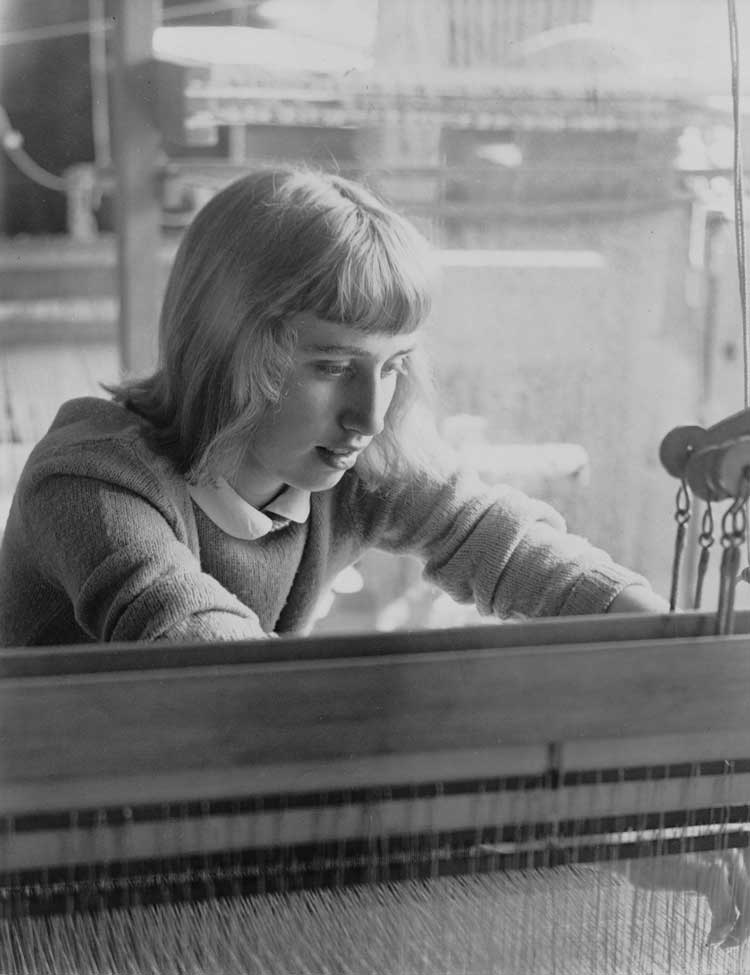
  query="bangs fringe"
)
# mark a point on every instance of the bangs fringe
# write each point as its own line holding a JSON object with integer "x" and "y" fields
{"x": 381, "y": 281}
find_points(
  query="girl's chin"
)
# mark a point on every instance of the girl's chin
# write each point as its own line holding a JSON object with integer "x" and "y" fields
{"x": 328, "y": 480}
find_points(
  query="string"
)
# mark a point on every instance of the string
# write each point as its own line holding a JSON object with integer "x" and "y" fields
{"x": 739, "y": 214}
{"x": 97, "y": 27}
{"x": 12, "y": 142}
{"x": 739, "y": 220}
{"x": 71, "y": 28}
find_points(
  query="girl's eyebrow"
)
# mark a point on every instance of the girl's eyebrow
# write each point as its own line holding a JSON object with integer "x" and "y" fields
{"x": 354, "y": 350}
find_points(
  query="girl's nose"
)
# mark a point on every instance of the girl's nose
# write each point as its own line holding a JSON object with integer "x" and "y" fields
{"x": 366, "y": 406}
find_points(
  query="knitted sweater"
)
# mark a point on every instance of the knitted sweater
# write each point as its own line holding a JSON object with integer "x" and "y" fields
{"x": 104, "y": 543}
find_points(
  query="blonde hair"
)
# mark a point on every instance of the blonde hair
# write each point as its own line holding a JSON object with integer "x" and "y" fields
{"x": 267, "y": 247}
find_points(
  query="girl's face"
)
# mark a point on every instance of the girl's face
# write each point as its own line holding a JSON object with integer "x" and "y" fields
{"x": 334, "y": 402}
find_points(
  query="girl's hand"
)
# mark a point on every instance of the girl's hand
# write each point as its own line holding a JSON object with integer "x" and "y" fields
{"x": 638, "y": 599}
{"x": 722, "y": 878}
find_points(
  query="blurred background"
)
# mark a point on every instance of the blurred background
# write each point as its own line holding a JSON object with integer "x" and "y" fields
{"x": 571, "y": 159}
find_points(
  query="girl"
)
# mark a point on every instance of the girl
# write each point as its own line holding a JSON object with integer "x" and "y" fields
{"x": 280, "y": 436}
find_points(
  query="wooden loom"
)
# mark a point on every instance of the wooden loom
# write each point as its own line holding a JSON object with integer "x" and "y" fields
{"x": 440, "y": 801}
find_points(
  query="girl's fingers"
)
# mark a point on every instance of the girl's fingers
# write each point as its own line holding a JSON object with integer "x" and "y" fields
{"x": 736, "y": 864}
{"x": 714, "y": 879}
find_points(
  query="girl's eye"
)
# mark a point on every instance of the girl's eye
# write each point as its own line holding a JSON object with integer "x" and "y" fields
{"x": 332, "y": 369}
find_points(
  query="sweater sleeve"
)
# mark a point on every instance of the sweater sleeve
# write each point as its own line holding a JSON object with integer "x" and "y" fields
{"x": 496, "y": 547}
{"x": 125, "y": 571}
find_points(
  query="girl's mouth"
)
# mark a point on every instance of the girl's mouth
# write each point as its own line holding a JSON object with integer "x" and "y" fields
{"x": 341, "y": 459}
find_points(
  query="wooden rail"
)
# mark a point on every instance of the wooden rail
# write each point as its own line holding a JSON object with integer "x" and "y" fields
{"x": 104, "y": 724}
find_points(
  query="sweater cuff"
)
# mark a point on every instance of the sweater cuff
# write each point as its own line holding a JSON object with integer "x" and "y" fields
{"x": 594, "y": 592}
{"x": 213, "y": 626}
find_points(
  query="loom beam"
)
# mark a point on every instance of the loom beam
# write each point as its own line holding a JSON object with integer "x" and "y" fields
{"x": 183, "y": 771}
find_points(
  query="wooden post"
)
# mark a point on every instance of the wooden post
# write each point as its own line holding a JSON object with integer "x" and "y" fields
{"x": 138, "y": 209}
{"x": 238, "y": 133}
{"x": 99, "y": 84}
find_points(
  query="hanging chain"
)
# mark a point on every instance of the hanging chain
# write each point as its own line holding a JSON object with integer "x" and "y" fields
{"x": 705, "y": 541}
{"x": 733, "y": 532}
{"x": 682, "y": 517}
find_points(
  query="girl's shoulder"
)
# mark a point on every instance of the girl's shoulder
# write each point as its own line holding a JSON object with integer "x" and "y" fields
{"x": 97, "y": 438}
{"x": 90, "y": 418}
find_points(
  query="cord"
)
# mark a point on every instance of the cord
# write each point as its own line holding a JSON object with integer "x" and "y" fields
{"x": 74, "y": 27}
{"x": 739, "y": 214}
{"x": 739, "y": 192}
{"x": 12, "y": 142}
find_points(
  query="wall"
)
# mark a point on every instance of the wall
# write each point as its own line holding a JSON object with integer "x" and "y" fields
{"x": 609, "y": 357}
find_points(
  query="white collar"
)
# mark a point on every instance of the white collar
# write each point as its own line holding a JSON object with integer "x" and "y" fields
{"x": 229, "y": 511}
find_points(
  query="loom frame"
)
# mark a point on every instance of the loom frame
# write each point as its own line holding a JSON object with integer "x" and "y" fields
{"x": 182, "y": 751}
